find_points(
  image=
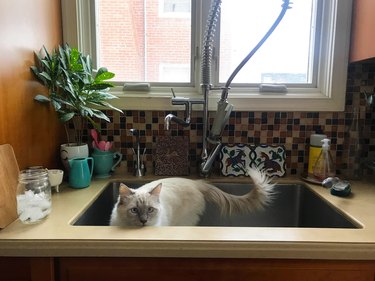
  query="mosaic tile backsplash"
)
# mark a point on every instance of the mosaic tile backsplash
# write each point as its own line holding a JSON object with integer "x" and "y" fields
{"x": 288, "y": 129}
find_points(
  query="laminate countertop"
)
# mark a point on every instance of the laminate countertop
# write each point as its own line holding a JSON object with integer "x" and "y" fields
{"x": 57, "y": 237}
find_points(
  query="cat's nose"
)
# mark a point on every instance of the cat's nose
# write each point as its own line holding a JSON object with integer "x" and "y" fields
{"x": 143, "y": 221}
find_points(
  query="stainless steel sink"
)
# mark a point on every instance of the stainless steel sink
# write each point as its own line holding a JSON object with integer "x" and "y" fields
{"x": 295, "y": 205}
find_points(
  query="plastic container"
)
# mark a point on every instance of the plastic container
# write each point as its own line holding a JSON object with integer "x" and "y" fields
{"x": 34, "y": 201}
{"x": 324, "y": 166}
{"x": 314, "y": 151}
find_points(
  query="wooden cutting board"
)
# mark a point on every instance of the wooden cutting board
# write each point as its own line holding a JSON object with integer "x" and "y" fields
{"x": 8, "y": 185}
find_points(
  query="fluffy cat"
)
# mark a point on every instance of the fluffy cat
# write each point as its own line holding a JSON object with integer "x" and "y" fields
{"x": 181, "y": 202}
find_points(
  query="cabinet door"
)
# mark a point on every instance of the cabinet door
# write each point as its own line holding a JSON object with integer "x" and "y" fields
{"x": 181, "y": 269}
{"x": 26, "y": 269}
{"x": 363, "y": 22}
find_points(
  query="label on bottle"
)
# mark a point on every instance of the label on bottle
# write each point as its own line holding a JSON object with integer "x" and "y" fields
{"x": 313, "y": 156}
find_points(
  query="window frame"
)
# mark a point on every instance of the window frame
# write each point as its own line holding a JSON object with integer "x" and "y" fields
{"x": 329, "y": 95}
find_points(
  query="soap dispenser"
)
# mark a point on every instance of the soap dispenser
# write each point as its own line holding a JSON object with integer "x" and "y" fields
{"x": 324, "y": 166}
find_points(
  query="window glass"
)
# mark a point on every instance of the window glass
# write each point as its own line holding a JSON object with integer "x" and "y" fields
{"x": 284, "y": 58}
{"x": 135, "y": 42}
{"x": 176, "y": 6}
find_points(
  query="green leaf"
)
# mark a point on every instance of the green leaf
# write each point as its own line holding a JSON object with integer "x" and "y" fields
{"x": 42, "y": 99}
{"x": 56, "y": 99}
{"x": 45, "y": 75}
{"x": 63, "y": 56}
{"x": 46, "y": 53}
{"x": 74, "y": 56}
{"x": 67, "y": 116}
{"x": 106, "y": 104}
{"x": 56, "y": 105}
{"x": 101, "y": 70}
{"x": 88, "y": 63}
{"x": 99, "y": 114}
{"x": 36, "y": 72}
{"x": 88, "y": 110}
{"x": 48, "y": 65}
{"x": 104, "y": 76}
{"x": 107, "y": 95}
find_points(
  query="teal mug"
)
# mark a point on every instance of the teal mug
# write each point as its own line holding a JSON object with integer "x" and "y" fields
{"x": 105, "y": 162}
{"x": 81, "y": 170}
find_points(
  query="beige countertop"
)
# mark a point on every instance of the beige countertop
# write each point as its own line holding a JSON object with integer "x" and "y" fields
{"x": 56, "y": 236}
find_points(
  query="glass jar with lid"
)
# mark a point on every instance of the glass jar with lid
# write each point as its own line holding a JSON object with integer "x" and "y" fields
{"x": 34, "y": 200}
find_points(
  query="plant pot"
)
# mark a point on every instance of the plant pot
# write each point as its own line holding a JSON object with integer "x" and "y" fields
{"x": 72, "y": 150}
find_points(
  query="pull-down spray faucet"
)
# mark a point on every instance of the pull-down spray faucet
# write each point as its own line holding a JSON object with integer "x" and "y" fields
{"x": 224, "y": 107}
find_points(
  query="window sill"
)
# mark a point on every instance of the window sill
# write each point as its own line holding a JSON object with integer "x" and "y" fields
{"x": 309, "y": 100}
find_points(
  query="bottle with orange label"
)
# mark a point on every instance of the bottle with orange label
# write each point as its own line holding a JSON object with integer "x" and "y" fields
{"x": 314, "y": 151}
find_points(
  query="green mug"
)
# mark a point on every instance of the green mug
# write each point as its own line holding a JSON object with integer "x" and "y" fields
{"x": 105, "y": 162}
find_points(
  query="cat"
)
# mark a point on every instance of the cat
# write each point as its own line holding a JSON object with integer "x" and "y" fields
{"x": 181, "y": 201}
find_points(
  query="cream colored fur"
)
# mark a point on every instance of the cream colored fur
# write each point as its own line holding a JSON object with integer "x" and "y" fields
{"x": 180, "y": 201}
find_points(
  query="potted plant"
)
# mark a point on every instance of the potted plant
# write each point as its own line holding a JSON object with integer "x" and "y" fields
{"x": 75, "y": 91}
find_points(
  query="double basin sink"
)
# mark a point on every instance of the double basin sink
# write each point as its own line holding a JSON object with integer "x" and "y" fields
{"x": 294, "y": 205}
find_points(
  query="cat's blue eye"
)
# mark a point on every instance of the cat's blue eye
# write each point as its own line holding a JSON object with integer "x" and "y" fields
{"x": 134, "y": 210}
{"x": 150, "y": 209}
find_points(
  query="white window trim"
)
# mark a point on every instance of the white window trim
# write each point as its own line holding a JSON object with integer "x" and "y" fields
{"x": 329, "y": 95}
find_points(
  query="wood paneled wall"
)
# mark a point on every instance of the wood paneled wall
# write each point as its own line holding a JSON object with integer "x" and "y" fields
{"x": 30, "y": 127}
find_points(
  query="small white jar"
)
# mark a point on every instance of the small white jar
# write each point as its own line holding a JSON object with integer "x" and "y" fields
{"x": 34, "y": 200}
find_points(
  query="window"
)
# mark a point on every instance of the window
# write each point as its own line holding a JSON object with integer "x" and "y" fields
{"x": 173, "y": 72}
{"x": 159, "y": 41}
{"x": 135, "y": 41}
{"x": 284, "y": 57}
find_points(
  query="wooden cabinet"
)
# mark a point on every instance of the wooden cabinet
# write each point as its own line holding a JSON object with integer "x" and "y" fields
{"x": 26, "y": 269}
{"x": 181, "y": 269}
{"x": 363, "y": 23}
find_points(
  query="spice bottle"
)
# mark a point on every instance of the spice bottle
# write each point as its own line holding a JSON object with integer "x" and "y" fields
{"x": 324, "y": 166}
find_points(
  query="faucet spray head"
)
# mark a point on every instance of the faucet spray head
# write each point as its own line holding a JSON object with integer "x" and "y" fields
{"x": 223, "y": 112}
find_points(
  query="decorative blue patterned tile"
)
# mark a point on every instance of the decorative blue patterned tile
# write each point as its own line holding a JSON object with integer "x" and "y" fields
{"x": 271, "y": 158}
{"x": 235, "y": 159}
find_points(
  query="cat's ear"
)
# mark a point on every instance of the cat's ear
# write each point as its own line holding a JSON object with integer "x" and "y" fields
{"x": 156, "y": 190}
{"x": 124, "y": 190}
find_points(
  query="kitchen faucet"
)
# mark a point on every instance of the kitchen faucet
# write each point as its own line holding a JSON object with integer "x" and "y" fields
{"x": 188, "y": 103}
{"x": 139, "y": 166}
{"x": 224, "y": 108}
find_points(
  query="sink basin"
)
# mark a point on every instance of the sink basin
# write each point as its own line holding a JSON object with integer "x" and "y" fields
{"x": 295, "y": 205}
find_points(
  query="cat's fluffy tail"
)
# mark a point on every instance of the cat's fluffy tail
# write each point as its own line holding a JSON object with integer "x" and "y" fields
{"x": 257, "y": 198}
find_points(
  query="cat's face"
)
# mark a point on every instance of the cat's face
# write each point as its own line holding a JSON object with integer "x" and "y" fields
{"x": 139, "y": 209}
